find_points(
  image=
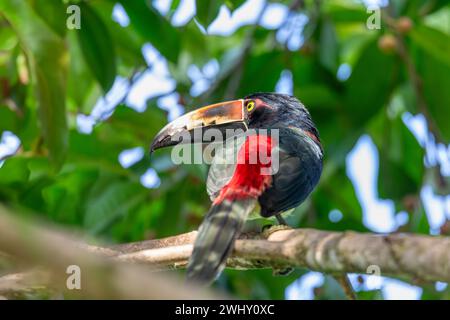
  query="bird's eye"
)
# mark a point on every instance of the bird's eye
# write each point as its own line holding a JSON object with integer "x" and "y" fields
{"x": 250, "y": 106}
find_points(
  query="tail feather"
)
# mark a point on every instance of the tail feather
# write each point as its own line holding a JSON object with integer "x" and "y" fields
{"x": 216, "y": 235}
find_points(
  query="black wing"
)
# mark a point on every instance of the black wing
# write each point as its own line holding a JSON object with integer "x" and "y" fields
{"x": 300, "y": 166}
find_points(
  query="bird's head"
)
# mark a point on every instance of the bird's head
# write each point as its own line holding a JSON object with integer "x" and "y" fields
{"x": 256, "y": 111}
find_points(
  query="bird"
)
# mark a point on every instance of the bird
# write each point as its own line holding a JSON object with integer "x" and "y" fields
{"x": 238, "y": 188}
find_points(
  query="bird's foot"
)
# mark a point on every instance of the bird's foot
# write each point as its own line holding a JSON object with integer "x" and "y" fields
{"x": 267, "y": 230}
{"x": 280, "y": 219}
{"x": 283, "y": 271}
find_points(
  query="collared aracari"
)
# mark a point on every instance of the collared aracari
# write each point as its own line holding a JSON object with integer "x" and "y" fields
{"x": 238, "y": 188}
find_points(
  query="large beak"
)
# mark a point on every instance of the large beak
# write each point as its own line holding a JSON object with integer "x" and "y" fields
{"x": 222, "y": 116}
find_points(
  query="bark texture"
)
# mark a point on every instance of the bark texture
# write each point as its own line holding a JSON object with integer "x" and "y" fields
{"x": 118, "y": 271}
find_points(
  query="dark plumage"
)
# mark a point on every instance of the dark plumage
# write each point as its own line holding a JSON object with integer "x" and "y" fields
{"x": 235, "y": 189}
{"x": 289, "y": 111}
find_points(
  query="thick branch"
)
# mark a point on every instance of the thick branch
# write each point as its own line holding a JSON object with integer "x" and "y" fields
{"x": 101, "y": 277}
{"x": 404, "y": 255}
{"x": 18, "y": 285}
{"x": 111, "y": 274}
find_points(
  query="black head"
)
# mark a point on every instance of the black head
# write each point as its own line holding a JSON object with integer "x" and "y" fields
{"x": 256, "y": 111}
{"x": 276, "y": 110}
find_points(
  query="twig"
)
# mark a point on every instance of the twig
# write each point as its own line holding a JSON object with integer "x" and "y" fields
{"x": 346, "y": 286}
{"x": 414, "y": 76}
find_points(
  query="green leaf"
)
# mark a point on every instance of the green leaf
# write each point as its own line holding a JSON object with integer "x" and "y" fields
{"x": 318, "y": 96}
{"x": 127, "y": 40}
{"x": 345, "y": 12}
{"x": 92, "y": 151}
{"x": 14, "y": 170}
{"x": 127, "y": 125}
{"x": 66, "y": 196}
{"x": 233, "y": 4}
{"x": 174, "y": 5}
{"x": 97, "y": 46}
{"x": 8, "y": 41}
{"x": 370, "y": 84}
{"x": 135, "y": 226}
{"x": 439, "y": 20}
{"x": 421, "y": 7}
{"x": 400, "y": 158}
{"x": 78, "y": 91}
{"x": 370, "y": 295}
{"x": 196, "y": 50}
{"x": 327, "y": 197}
{"x": 129, "y": 45}
{"x": 328, "y": 54}
{"x": 53, "y": 13}
{"x": 8, "y": 119}
{"x": 419, "y": 222}
{"x": 48, "y": 59}
{"x": 207, "y": 11}
{"x": 435, "y": 84}
{"x": 434, "y": 42}
{"x": 261, "y": 73}
{"x": 154, "y": 28}
{"x": 109, "y": 200}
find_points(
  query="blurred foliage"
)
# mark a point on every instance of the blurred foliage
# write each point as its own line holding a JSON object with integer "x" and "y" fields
{"x": 50, "y": 74}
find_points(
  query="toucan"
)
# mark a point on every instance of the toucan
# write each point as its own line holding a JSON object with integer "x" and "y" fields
{"x": 262, "y": 125}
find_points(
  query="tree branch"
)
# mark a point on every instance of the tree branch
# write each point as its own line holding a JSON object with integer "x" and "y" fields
{"x": 101, "y": 276}
{"x": 405, "y": 255}
{"x": 117, "y": 271}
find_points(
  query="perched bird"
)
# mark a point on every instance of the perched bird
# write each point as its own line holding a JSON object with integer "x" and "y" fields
{"x": 239, "y": 187}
